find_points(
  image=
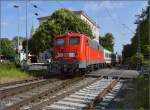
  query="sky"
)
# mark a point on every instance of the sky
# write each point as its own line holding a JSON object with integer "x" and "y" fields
{"x": 110, "y": 15}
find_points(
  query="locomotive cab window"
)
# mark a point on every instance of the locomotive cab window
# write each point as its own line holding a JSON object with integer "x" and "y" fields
{"x": 60, "y": 41}
{"x": 74, "y": 40}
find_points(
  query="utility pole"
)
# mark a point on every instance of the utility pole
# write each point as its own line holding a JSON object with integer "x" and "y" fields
{"x": 139, "y": 47}
{"x": 17, "y": 7}
{"x": 26, "y": 31}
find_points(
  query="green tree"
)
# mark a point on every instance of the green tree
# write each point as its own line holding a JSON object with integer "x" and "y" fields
{"x": 7, "y": 48}
{"x": 107, "y": 41}
{"x": 142, "y": 31}
{"x": 15, "y": 39}
{"x": 60, "y": 21}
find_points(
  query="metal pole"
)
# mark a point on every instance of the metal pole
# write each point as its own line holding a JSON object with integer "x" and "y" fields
{"x": 139, "y": 39}
{"x": 139, "y": 46}
{"x": 0, "y": 32}
{"x": 26, "y": 32}
{"x": 17, "y": 7}
{"x": 138, "y": 22}
{"x": 149, "y": 31}
{"x": 18, "y": 30}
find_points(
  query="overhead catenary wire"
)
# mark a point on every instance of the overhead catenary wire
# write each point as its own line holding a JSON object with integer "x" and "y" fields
{"x": 107, "y": 10}
{"x": 110, "y": 15}
{"x": 116, "y": 21}
{"x": 113, "y": 20}
{"x": 59, "y": 3}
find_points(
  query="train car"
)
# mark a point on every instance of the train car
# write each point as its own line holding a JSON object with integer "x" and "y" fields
{"x": 107, "y": 57}
{"x": 115, "y": 59}
{"x": 75, "y": 52}
{"x": 111, "y": 59}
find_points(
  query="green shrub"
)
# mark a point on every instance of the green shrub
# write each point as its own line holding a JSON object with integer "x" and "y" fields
{"x": 136, "y": 58}
{"x": 146, "y": 63}
{"x": 142, "y": 92}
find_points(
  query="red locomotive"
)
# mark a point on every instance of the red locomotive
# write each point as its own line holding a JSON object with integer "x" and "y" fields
{"x": 75, "y": 53}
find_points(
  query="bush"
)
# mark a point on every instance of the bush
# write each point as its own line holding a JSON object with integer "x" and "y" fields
{"x": 146, "y": 63}
{"x": 141, "y": 85}
{"x": 136, "y": 58}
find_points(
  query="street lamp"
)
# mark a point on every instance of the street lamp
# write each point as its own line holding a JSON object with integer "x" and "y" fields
{"x": 0, "y": 36}
{"x": 17, "y": 7}
{"x": 26, "y": 32}
{"x": 27, "y": 28}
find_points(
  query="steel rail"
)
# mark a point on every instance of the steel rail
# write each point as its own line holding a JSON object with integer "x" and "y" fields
{"x": 48, "y": 92}
{"x": 100, "y": 97}
{"x": 92, "y": 104}
{"x": 18, "y": 82}
{"x": 59, "y": 97}
{"x": 5, "y": 92}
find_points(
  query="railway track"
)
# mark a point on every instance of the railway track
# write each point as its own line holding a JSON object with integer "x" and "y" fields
{"x": 74, "y": 97}
{"x": 14, "y": 102}
{"x": 76, "y": 93}
{"x": 109, "y": 97}
{"x": 7, "y": 89}
{"x": 19, "y": 82}
{"x": 69, "y": 86}
{"x": 84, "y": 97}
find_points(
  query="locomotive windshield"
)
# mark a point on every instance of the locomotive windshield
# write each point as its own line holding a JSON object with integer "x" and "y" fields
{"x": 60, "y": 41}
{"x": 74, "y": 40}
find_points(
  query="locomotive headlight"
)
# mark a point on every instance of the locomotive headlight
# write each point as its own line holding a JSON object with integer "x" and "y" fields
{"x": 59, "y": 54}
{"x": 65, "y": 66}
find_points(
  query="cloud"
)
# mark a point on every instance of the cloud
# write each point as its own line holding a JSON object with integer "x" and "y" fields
{"x": 37, "y": 2}
{"x": 112, "y": 5}
{"x": 4, "y": 23}
{"x": 72, "y": 9}
{"x": 10, "y": 4}
{"x": 100, "y": 5}
{"x": 22, "y": 18}
{"x": 108, "y": 6}
{"x": 91, "y": 5}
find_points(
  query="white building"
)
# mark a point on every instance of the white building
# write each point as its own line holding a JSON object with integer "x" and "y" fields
{"x": 81, "y": 14}
{"x": 94, "y": 27}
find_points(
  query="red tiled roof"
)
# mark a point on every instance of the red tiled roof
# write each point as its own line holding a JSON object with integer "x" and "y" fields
{"x": 44, "y": 17}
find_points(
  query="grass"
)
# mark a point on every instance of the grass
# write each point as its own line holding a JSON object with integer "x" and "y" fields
{"x": 9, "y": 72}
{"x": 142, "y": 86}
{"x": 134, "y": 95}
